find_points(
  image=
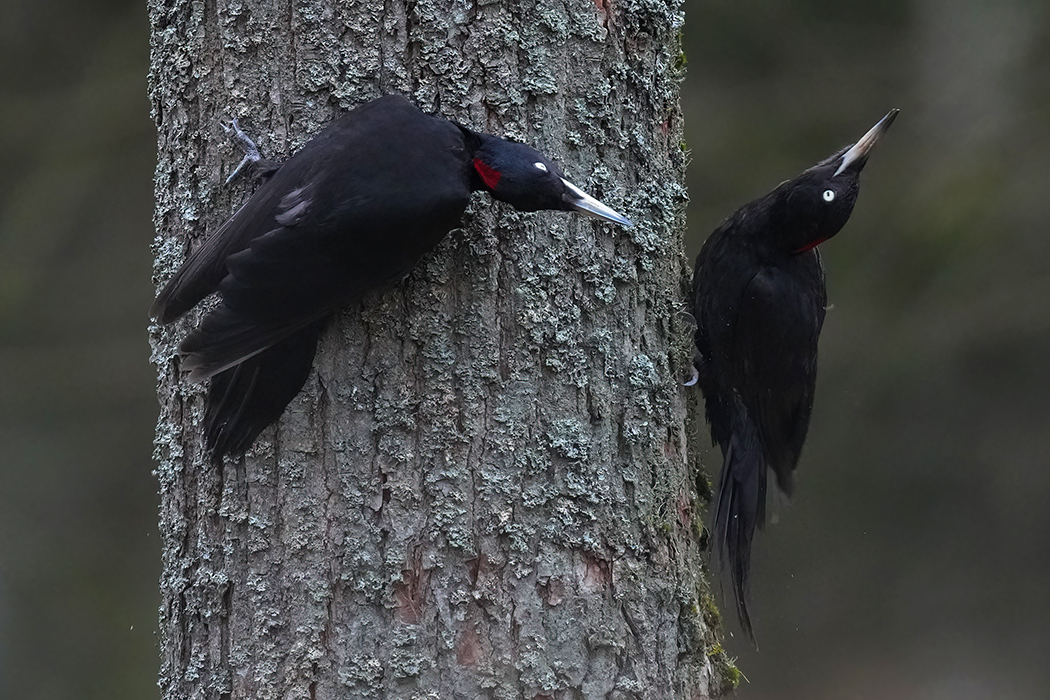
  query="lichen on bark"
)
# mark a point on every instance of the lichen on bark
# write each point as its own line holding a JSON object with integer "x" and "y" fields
{"x": 484, "y": 488}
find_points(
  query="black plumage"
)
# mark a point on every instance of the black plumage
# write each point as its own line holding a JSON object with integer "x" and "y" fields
{"x": 759, "y": 300}
{"x": 354, "y": 209}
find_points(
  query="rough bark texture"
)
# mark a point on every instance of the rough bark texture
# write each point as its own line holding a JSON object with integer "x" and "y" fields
{"x": 484, "y": 489}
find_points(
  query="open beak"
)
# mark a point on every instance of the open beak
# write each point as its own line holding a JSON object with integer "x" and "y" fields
{"x": 857, "y": 155}
{"x": 582, "y": 202}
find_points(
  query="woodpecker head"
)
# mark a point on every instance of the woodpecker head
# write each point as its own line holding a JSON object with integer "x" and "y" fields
{"x": 811, "y": 208}
{"x": 529, "y": 181}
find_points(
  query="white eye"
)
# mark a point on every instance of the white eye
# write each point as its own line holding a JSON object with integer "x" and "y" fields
{"x": 540, "y": 166}
{"x": 829, "y": 195}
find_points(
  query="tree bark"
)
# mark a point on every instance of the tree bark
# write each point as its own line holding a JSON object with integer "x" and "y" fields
{"x": 484, "y": 488}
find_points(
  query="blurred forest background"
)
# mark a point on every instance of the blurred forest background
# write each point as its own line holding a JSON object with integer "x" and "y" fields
{"x": 914, "y": 561}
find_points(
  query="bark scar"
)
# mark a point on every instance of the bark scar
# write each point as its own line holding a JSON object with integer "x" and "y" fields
{"x": 605, "y": 11}
{"x": 468, "y": 649}
{"x": 409, "y": 593}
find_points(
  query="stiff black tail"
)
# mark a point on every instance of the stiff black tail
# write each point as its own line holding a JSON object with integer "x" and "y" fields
{"x": 247, "y": 397}
{"x": 740, "y": 507}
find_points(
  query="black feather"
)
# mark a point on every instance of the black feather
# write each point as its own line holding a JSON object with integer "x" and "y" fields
{"x": 759, "y": 302}
{"x": 353, "y": 210}
{"x": 249, "y": 396}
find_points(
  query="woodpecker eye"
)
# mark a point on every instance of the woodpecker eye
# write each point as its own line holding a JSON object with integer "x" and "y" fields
{"x": 540, "y": 166}
{"x": 829, "y": 195}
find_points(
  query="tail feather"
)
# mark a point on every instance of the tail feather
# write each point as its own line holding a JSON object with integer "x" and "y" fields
{"x": 225, "y": 339}
{"x": 244, "y": 399}
{"x": 740, "y": 507}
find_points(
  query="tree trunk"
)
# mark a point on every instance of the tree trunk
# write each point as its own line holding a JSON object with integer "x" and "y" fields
{"x": 484, "y": 488}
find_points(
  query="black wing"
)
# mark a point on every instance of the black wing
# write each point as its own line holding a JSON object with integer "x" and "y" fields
{"x": 204, "y": 270}
{"x": 773, "y": 360}
{"x": 347, "y": 213}
{"x": 723, "y": 269}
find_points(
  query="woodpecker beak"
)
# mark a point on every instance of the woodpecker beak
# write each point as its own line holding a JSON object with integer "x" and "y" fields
{"x": 857, "y": 155}
{"x": 582, "y": 202}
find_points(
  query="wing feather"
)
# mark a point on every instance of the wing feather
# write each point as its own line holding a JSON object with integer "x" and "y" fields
{"x": 774, "y": 362}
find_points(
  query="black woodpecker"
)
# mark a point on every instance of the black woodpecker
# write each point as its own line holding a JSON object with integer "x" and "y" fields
{"x": 759, "y": 300}
{"x": 354, "y": 209}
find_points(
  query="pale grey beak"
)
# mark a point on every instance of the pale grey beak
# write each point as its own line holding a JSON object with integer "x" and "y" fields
{"x": 586, "y": 204}
{"x": 858, "y": 153}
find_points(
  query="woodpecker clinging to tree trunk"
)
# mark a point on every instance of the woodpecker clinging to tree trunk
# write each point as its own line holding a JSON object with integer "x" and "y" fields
{"x": 354, "y": 209}
{"x": 759, "y": 299}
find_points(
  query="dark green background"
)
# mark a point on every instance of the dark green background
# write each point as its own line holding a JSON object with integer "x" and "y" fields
{"x": 914, "y": 562}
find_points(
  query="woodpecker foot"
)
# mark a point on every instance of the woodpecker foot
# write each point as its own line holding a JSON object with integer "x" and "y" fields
{"x": 251, "y": 151}
{"x": 261, "y": 168}
{"x": 698, "y": 367}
